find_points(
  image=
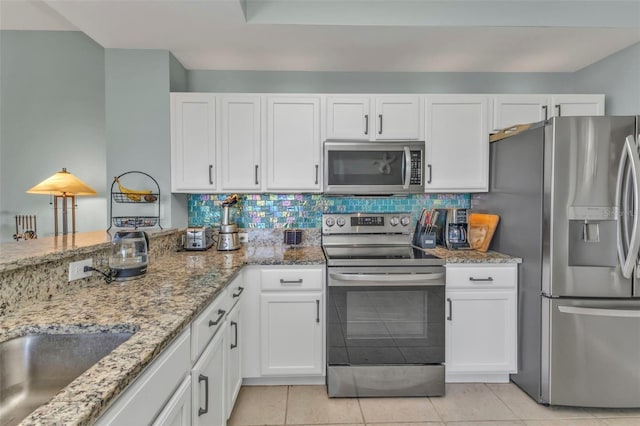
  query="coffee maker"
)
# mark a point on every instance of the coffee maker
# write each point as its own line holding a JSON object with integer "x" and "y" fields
{"x": 228, "y": 236}
{"x": 453, "y": 228}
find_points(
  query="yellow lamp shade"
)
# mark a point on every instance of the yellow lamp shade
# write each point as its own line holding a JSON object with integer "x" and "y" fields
{"x": 62, "y": 183}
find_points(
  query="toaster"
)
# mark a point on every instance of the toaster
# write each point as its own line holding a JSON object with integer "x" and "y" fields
{"x": 198, "y": 238}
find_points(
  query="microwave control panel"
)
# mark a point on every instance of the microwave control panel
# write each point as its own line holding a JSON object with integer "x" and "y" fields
{"x": 416, "y": 168}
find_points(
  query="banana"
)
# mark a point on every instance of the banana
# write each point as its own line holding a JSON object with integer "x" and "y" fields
{"x": 130, "y": 193}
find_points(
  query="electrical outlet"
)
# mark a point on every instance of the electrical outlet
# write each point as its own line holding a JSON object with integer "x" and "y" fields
{"x": 76, "y": 269}
{"x": 243, "y": 237}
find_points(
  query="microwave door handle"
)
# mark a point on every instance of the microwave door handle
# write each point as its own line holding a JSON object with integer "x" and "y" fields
{"x": 407, "y": 168}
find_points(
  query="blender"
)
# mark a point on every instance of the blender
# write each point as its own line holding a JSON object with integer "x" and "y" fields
{"x": 228, "y": 236}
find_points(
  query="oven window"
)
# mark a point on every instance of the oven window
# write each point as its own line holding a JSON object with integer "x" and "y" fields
{"x": 385, "y": 325}
{"x": 365, "y": 167}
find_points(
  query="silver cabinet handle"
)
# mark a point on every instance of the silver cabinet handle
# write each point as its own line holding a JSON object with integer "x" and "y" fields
{"x": 235, "y": 327}
{"x": 317, "y": 310}
{"x": 559, "y": 110}
{"x": 450, "y": 317}
{"x": 544, "y": 108}
{"x": 205, "y": 410}
{"x": 291, "y": 282}
{"x": 317, "y": 174}
{"x": 221, "y": 313}
{"x": 380, "y": 129}
{"x": 477, "y": 280}
{"x": 430, "y": 172}
{"x": 240, "y": 290}
{"x": 257, "y": 174}
{"x": 366, "y": 124}
{"x": 210, "y": 174}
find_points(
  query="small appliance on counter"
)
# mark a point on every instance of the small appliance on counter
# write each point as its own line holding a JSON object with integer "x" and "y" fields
{"x": 228, "y": 236}
{"x": 198, "y": 238}
{"x": 452, "y": 228}
{"x": 128, "y": 258}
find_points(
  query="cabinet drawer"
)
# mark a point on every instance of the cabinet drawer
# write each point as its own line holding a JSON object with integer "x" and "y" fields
{"x": 208, "y": 323}
{"x": 482, "y": 276}
{"x": 146, "y": 396}
{"x": 234, "y": 291}
{"x": 292, "y": 279}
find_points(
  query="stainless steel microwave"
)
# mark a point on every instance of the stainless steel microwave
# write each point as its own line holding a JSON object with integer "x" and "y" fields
{"x": 369, "y": 168}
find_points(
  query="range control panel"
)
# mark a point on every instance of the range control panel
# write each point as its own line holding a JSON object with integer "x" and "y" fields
{"x": 365, "y": 223}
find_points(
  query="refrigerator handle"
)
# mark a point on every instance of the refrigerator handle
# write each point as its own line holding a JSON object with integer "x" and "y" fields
{"x": 628, "y": 261}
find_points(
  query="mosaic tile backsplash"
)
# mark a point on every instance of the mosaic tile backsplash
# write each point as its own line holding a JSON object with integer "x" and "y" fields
{"x": 272, "y": 211}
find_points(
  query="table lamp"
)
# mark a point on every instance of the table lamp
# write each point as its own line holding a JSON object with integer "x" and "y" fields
{"x": 63, "y": 185}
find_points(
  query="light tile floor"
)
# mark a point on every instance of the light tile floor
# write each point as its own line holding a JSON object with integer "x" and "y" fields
{"x": 473, "y": 404}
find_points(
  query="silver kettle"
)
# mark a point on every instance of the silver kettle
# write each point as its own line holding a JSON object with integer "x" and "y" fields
{"x": 128, "y": 259}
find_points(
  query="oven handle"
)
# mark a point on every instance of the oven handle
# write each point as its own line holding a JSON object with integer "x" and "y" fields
{"x": 385, "y": 279}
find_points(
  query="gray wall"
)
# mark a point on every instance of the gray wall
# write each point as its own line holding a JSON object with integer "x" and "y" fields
{"x": 52, "y": 116}
{"x": 137, "y": 85}
{"x": 618, "y": 77}
{"x": 378, "y": 82}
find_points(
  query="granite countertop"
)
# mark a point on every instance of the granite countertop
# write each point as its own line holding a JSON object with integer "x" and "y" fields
{"x": 472, "y": 256}
{"x": 158, "y": 306}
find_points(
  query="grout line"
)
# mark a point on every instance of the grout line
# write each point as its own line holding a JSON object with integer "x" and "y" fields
{"x": 364, "y": 420}
{"x": 286, "y": 405}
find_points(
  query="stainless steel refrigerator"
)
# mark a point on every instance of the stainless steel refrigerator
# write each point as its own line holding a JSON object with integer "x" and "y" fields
{"x": 567, "y": 192}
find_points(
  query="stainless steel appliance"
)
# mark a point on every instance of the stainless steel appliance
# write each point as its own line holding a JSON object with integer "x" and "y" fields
{"x": 228, "y": 237}
{"x": 198, "y": 238}
{"x": 567, "y": 192}
{"x": 360, "y": 167}
{"x": 385, "y": 308}
{"x": 128, "y": 259}
{"x": 452, "y": 228}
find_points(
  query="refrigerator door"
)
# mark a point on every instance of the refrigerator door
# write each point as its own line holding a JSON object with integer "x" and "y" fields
{"x": 583, "y": 214}
{"x": 594, "y": 347}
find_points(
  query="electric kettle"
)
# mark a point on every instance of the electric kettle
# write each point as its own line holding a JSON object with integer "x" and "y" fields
{"x": 128, "y": 258}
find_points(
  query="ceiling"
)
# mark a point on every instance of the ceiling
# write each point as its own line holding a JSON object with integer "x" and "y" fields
{"x": 348, "y": 35}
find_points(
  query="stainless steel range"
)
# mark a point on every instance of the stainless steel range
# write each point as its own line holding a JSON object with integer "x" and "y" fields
{"x": 385, "y": 309}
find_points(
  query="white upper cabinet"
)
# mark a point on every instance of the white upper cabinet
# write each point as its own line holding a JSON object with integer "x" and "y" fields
{"x": 509, "y": 110}
{"x": 293, "y": 144}
{"x": 348, "y": 117}
{"x": 397, "y": 117}
{"x": 457, "y": 143}
{"x": 240, "y": 141}
{"x": 393, "y": 117}
{"x": 576, "y": 105}
{"x": 193, "y": 142}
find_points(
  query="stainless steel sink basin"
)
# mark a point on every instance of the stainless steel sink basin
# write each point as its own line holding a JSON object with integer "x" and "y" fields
{"x": 34, "y": 368}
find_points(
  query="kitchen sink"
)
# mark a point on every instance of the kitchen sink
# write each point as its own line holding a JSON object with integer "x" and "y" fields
{"x": 34, "y": 368}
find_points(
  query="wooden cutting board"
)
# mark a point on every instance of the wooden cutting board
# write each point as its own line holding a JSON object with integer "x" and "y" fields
{"x": 481, "y": 229}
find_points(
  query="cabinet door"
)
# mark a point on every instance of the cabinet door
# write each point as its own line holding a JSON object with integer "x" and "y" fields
{"x": 177, "y": 412}
{"x": 457, "y": 143}
{"x": 293, "y": 144}
{"x": 481, "y": 332}
{"x": 509, "y": 110}
{"x": 192, "y": 142}
{"x": 577, "y": 105}
{"x": 234, "y": 358}
{"x": 348, "y": 117}
{"x": 397, "y": 117}
{"x": 240, "y": 143}
{"x": 207, "y": 385}
{"x": 291, "y": 333}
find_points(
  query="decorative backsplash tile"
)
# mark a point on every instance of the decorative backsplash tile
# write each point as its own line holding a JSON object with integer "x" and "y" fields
{"x": 269, "y": 211}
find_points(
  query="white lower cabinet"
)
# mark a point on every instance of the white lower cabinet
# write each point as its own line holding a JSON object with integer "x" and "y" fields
{"x": 481, "y": 326}
{"x": 283, "y": 325}
{"x": 177, "y": 412}
{"x": 291, "y": 333}
{"x": 207, "y": 385}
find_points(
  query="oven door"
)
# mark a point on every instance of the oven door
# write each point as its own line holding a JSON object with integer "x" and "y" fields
{"x": 385, "y": 316}
{"x": 373, "y": 168}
